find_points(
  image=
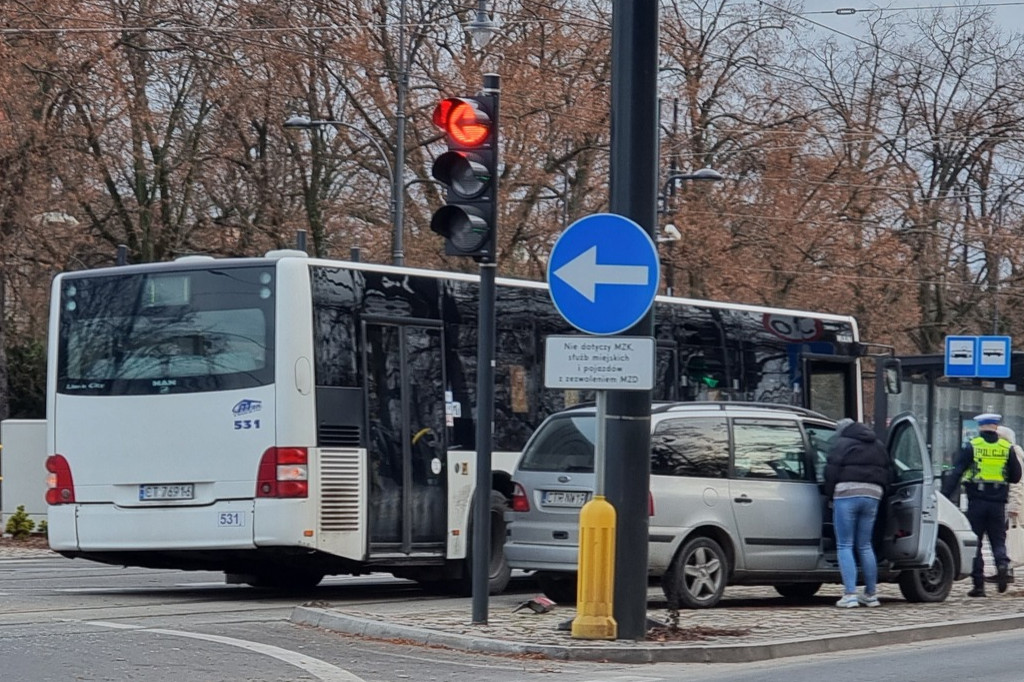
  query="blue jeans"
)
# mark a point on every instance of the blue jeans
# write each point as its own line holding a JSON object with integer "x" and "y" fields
{"x": 854, "y": 521}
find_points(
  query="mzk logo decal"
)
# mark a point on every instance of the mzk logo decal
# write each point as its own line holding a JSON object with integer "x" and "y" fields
{"x": 246, "y": 407}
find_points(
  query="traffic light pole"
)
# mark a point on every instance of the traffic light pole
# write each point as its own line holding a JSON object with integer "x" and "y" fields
{"x": 485, "y": 399}
{"x": 634, "y": 193}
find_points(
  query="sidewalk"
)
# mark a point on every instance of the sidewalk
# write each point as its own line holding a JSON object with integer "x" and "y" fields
{"x": 16, "y": 551}
{"x": 750, "y": 624}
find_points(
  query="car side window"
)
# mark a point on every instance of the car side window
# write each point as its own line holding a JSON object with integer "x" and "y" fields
{"x": 906, "y": 453}
{"x": 697, "y": 446}
{"x": 768, "y": 449}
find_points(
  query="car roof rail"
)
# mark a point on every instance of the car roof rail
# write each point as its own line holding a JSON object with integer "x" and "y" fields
{"x": 729, "y": 404}
{"x": 662, "y": 406}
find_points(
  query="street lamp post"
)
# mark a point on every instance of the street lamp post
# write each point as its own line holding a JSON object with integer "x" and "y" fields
{"x": 396, "y": 241}
{"x": 398, "y": 185}
{"x": 671, "y": 232}
{"x": 705, "y": 174}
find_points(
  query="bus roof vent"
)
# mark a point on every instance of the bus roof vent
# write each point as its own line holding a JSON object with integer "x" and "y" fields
{"x": 193, "y": 258}
{"x": 286, "y": 253}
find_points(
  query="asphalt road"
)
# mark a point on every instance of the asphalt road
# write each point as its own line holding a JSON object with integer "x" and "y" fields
{"x": 74, "y": 620}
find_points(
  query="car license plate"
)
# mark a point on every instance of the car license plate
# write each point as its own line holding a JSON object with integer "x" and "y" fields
{"x": 563, "y": 498}
{"x": 174, "y": 491}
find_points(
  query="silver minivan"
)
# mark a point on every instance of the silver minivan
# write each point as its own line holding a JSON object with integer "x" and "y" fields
{"x": 735, "y": 499}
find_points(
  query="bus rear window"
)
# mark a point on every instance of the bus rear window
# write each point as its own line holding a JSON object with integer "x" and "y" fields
{"x": 166, "y": 333}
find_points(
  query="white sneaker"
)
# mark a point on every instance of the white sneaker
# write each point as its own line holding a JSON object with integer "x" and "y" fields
{"x": 848, "y": 601}
{"x": 868, "y": 600}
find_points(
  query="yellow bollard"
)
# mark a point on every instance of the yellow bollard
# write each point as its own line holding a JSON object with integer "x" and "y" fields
{"x": 596, "y": 573}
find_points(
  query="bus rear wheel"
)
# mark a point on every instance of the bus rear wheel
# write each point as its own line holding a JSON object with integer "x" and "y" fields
{"x": 498, "y": 571}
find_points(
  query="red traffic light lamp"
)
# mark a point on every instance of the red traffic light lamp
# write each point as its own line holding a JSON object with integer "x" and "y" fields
{"x": 463, "y": 120}
{"x": 469, "y": 172}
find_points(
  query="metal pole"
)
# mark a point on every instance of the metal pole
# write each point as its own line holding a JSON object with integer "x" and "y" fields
{"x": 484, "y": 418}
{"x": 398, "y": 185}
{"x": 485, "y": 406}
{"x": 634, "y": 194}
{"x": 565, "y": 190}
{"x": 881, "y": 401}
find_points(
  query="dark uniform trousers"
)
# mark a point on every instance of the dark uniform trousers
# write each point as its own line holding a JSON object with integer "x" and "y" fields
{"x": 987, "y": 518}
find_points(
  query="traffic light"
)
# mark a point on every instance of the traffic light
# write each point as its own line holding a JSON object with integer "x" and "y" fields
{"x": 469, "y": 171}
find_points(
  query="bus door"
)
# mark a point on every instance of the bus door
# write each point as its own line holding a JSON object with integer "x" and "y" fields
{"x": 405, "y": 413}
{"x": 829, "y": 385}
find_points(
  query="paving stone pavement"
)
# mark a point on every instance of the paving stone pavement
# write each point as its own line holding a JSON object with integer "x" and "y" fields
{"x": 751, "y": 623}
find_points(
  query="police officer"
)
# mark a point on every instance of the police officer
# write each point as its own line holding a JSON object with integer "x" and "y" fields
{"x": 986, "y": 467}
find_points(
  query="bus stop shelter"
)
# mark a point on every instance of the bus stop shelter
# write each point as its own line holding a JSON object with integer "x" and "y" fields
{"x": 945, "y": 406}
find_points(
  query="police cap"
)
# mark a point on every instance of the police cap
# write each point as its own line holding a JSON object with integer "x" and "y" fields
{"x": 988, "y": 418}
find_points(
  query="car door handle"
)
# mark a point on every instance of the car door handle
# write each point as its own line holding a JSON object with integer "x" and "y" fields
{"x": 742, "y": 500}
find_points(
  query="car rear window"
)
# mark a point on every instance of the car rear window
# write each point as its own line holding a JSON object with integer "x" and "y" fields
{"x": 562, "y": 444}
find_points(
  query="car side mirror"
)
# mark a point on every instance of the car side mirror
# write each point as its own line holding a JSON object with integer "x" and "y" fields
{"x": 892, "y": 372}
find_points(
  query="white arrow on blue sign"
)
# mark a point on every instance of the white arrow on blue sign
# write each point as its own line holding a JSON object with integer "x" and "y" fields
{"x": 603, "y": 273}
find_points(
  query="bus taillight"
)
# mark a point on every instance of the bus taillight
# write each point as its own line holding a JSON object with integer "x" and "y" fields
{"x": 520, "y": 503}
{"x": 283, "y": 472}
{"x": 59, "y": 484}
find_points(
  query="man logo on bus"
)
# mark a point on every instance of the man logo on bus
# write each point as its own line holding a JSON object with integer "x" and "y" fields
{"x": 246, "y": 407}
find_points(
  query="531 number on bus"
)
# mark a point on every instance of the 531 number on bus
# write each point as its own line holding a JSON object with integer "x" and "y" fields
{"x": 241, "y": 424}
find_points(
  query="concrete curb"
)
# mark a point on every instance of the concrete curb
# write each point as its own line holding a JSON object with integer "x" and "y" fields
{"x": 653, "y": 653}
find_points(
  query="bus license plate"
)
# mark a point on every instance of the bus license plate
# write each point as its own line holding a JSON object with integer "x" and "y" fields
{"x": 562, "y": 498}
{"x": 175, "y": 491}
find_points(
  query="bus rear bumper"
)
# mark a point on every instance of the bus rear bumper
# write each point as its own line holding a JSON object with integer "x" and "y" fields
{"x": 106, "y": 527}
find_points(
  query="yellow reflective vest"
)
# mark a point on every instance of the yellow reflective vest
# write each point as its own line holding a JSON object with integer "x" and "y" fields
{"x": 989, "y": 461}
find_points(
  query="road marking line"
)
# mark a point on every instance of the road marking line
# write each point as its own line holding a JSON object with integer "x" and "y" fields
{"x": 321, "y": 669}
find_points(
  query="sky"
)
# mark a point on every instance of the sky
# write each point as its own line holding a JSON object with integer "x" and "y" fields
{"x": 1009, "y": 14}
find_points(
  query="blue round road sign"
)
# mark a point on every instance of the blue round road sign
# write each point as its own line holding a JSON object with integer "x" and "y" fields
{"x": 603, "y": 273}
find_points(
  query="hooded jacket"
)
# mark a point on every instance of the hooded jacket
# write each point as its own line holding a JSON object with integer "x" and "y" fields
{"x": 856, "y": 456}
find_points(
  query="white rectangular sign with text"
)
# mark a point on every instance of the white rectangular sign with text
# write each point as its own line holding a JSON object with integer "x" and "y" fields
{"x": 602, "y": 363}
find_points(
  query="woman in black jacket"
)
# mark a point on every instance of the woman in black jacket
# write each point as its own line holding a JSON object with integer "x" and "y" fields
{"x": 856, "y": 476}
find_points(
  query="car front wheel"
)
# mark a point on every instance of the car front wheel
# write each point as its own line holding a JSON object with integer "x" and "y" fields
{"x": 930, "y": 584}
{"x": 697, "y": 577}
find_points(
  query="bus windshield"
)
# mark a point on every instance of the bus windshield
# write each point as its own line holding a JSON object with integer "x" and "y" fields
{"x": 166, "y": 332}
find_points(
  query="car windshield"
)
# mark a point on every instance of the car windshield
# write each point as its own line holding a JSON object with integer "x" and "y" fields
{"x": 562, "y": 444}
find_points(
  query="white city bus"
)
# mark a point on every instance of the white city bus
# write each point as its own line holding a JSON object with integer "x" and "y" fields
{"x": 285, "y": 418}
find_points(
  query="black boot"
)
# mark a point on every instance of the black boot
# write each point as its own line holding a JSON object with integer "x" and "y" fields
{"x": 1002, "y": 578}
{"x": 977, "y": 591}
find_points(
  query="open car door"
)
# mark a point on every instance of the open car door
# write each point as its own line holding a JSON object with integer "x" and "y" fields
{"x": 910, "y": 516}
